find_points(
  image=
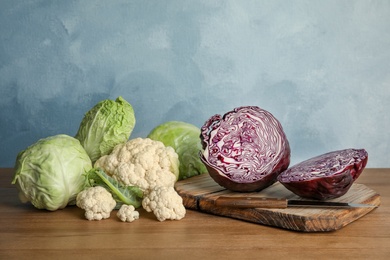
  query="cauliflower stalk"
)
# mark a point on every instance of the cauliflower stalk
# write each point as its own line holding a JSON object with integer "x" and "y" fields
{"x": 152, "y": 167}
{"x": 97, "y": 203}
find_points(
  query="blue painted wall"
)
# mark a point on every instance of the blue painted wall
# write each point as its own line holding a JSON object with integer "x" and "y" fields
{"x": 321, "y": 67}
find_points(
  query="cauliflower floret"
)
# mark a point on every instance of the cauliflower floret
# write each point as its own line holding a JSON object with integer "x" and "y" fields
{"x": 127, "y": 213}
{"x": 97, "y": 203}
{"x": 142, "y": 162}
{"x": 165, "y": 203}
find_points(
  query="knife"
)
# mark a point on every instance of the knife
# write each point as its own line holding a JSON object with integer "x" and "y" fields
{"x": 262, "y": 202}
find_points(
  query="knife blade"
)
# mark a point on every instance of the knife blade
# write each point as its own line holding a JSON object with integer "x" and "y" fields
{"x": 281, "y": 203}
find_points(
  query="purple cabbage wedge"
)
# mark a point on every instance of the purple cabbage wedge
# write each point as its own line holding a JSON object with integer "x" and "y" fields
{"x": 245, "y": 149}
{"x": 326, "y": 176}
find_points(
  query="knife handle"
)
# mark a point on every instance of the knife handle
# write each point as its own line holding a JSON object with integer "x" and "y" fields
{"x": 251, "y": 202}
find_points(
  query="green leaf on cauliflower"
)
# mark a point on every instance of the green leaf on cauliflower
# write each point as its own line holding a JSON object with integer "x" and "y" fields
{"x": 129, "y": 195}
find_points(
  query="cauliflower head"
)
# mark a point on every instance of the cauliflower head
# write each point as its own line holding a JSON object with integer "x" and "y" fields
{"x": 127, "y": 213}
{"x": 165, "y": 203}
{"x": 142, "y": 162}
{"x": 97, "y": 203}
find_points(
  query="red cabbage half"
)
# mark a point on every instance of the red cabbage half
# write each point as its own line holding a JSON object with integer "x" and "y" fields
{"x": 325, "y": 176}
{"x": 245, "y": 149}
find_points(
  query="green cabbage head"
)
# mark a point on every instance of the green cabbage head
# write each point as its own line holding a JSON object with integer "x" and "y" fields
{"x": 184, "y": 138}
{"x": 107, "y": 124}
{"x": 50, "y": 173}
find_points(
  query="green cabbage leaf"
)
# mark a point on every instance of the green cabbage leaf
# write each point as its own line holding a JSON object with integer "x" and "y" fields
{"x": 50, "y": 172}
{"x": 184, "y": 138}
{"x": 104, "y": 126}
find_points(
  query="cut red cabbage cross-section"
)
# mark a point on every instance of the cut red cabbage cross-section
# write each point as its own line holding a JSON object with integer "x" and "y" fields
{"x": 245, "y": 149}
{"x": 325, "y": 176}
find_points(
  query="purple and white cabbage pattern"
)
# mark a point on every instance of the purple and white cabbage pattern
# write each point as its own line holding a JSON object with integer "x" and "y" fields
{"x": 245, "y": 149}
{"x": 326, "y": 176}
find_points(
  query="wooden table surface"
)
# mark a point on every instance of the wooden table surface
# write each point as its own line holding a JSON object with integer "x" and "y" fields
{"x": 28, "y": 233}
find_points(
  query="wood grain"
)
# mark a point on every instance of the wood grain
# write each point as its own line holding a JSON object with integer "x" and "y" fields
{"x": 27, "y": 233}
{"x": 201, "y": 192}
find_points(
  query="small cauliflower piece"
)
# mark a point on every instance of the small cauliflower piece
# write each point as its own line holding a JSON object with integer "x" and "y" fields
{"x": 127, "y": 213}
{"x": 97, "y": 203}
{"x": 165, "y": 203}
{"x": 142, "y": 162}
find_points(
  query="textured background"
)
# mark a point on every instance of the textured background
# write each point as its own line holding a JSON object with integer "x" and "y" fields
{"x": 321, "y": 67}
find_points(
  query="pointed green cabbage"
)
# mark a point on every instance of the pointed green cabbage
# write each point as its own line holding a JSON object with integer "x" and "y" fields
{"x": 107, "y": 124}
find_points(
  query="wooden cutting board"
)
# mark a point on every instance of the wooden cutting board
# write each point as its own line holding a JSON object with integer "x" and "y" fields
{"x": 200, "y": 192}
